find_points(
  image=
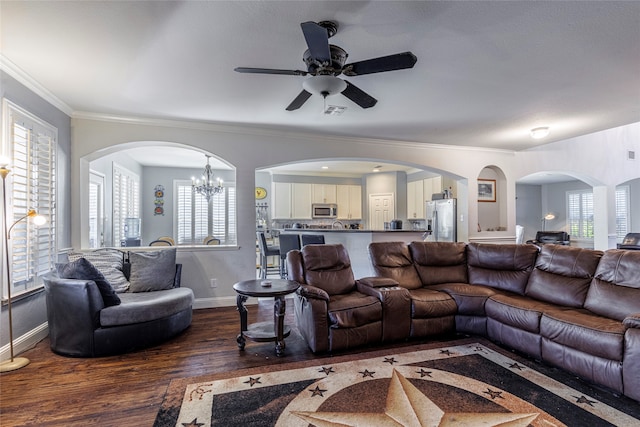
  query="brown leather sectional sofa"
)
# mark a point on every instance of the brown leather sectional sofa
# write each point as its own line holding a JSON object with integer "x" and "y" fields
{"x": 577, "y": 309}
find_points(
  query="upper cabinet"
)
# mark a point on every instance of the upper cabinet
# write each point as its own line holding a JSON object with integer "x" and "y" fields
{"x": 418, "y": 192}
{"x": 291, "y": 200}
{"x": 349, "y": 200}
{"x": 323, "y": 193}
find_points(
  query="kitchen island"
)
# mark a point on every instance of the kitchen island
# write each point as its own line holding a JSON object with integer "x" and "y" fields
{"x": 357, "y": 242}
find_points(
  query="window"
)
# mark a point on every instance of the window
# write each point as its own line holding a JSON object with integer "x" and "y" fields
{"x": 126, "y": 200}
{"x": 196, "y": 218}
{"x": 622, "y": 211}
{"x": 96, "y": 209}
{"x": 31, "y": 145}
{"x": 580, "y": 214}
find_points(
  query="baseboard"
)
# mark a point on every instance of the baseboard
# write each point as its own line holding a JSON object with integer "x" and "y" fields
{"x": 25, "y": 342}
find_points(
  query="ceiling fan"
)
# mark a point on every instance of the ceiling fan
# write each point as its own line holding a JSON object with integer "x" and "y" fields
{"x": 326, "y": 61}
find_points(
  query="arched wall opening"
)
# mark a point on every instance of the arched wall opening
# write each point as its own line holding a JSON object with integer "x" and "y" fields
{"x": 163, "y": 172}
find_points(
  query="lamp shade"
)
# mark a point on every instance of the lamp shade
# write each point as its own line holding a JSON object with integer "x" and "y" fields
{"x": 324, "y": 85}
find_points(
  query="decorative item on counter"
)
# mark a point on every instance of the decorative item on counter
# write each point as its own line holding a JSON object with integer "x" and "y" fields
{"x": 159, "y": 200}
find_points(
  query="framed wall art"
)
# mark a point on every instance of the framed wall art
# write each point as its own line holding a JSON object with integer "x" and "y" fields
{"x": 486, "y": 190}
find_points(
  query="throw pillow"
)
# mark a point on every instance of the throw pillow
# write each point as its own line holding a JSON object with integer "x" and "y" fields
{"x": 109, "y": 263}
{"x": 152, "y": 271}
{"x": 82, "y": 269}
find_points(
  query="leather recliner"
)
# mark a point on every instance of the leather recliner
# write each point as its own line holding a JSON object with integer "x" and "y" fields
{"x": 333, "y": 310}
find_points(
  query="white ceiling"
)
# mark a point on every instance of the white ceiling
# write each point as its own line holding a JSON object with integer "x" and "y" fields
{"x": 487, "y": 71}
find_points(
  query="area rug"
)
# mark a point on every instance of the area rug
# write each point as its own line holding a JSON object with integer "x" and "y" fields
{"x": 453, "y": 384}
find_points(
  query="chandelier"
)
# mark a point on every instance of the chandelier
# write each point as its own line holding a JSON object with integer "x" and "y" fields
{"x": 206, "y": 188}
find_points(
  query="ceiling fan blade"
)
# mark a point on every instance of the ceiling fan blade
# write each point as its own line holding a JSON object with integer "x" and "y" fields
{"x": 299, "y": 101}
{"x": 270, "y": 71}
{"x": 398, "y": 61}
{"x": 358, "y": 96}
{"x": 317, "y": 39}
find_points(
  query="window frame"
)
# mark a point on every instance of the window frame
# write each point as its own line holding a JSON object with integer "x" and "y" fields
{"x": 623, "y": 229}
{"x": 133, "y": 209}
{"x": 585, "y": 222}
{"x": 32, "y": 249}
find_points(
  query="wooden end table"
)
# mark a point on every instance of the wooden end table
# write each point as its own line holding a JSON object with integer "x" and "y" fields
{"x": 264, "y": 331}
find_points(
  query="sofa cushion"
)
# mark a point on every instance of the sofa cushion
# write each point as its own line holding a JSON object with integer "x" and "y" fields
{"x": 518, "y": 311}
{"x": 440, "y": 262}
{"x": 109, "y": 262}
{"x": 82, "y": 269}
{"x": 393, "y": 260}
{"x": 146, "y": 306}
{"x": 562, "y": 275}
{"x": 584, "y": 331}
{"x": 506, "y": 267}
{"x": 328, "y": 267}
{"x": 152, "y": 271}
{"x": 470, "y": 299}
{"x": 428, "y": 303}
{"x": 353, "y": 310}
{"x": 615, "y": 289}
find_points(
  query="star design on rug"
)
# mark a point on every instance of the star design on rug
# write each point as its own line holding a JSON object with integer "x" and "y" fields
{"x": 409, "y": 407}
{"x": 493, "y": 394}
{"x": 317, "y": 392}
{"x": 193, "y": 423}
{"x": 253, "y": 381}
{"x": 327, "y": 371}
{"x": 517, "y": 366}
{"x": 447, "y": 352}
{"x": 390, "y": 360}
{"x": 367, "y": 373}
{"x": 424, "y": 373}
{"x": 583, "y": 399}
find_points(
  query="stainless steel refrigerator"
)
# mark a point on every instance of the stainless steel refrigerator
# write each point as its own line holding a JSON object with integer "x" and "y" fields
{"x": 442, "y": 221}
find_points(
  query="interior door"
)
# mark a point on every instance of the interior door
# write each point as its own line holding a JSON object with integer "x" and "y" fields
{"x": 381, "y": 209}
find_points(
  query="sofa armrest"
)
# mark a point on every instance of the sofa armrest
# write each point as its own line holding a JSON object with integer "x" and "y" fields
{"x": 378, "y": 282}
{"x": 308, "y": 291}
{"x": 73, "y": 313}
{"x": 396, "y": 309}
{"x": 632, "y": 321}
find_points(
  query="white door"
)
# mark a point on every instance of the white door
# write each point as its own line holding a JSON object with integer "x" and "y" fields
{"x": 381, "y": 209}
{"x": 96, "y": 210}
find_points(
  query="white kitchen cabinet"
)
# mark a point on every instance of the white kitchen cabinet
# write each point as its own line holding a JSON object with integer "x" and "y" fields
{"x": 323, "y": 193}
{"x": 291, "y": 200}
{"x": 349, "y": 200}
{"x": 281, "y": 200}
{"x": 300, "y": 201}
{"x": 432, "y": 186}
{"x": 415, "y": 199}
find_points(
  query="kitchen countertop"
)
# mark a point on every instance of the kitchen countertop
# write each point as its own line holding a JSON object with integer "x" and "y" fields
{"x": 343, "y": 230}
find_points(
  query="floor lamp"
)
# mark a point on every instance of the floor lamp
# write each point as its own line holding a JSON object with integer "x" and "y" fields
{"x": 15, "y": 362}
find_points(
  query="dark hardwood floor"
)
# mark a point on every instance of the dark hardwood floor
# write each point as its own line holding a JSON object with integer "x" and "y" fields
{"x": 128, "y": 390}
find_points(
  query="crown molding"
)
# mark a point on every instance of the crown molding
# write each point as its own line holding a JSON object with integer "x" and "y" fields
{"x": 32, "y": 84}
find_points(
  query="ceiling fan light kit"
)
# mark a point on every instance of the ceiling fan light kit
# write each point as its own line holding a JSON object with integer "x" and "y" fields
{"x": 539, "y": 132}
{"x": 325, "y": 62}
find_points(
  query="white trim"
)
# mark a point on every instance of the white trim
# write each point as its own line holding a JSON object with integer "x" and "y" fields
{"x": 32, "y": 84}
{"x": 25, "y": 342}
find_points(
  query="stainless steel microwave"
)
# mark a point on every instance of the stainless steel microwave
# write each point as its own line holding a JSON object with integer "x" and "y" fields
{"x": 324, "y": 210}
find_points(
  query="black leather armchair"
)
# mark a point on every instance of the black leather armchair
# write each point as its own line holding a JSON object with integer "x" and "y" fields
{"x": 551, "y": 238}
{"x": 80, "y": 325}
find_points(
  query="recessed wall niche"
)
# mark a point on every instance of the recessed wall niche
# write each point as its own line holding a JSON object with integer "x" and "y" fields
{"x": 492, "y": 200}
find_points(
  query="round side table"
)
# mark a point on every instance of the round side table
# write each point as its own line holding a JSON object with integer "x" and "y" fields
{"x": 264, "y": 331}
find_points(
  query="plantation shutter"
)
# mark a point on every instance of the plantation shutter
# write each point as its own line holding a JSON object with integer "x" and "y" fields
{"x": 622, "y": 211}
{"x": 580, "y": 214}
{"x": 126, "y": 199}
{"x": 32, "y": 186}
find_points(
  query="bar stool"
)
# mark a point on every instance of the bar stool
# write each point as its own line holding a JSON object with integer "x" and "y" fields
{"x": 265, "y": 252}
{"x": 288, "y": 242}
{"x": 312, "y": 239}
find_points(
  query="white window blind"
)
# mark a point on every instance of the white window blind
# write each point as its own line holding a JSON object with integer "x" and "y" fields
{"x": 197, "y": 219}
{"x": 31, "y": 184}
{"x": 126, "y": 199}
{"x": 622, "y": 211}
{"x": 580, "y": 214}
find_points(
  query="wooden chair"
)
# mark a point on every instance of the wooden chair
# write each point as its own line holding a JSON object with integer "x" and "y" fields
{"x": 210, "y": 240}
{"x": 167, "y": 239}
{"x": 160, "y": 243}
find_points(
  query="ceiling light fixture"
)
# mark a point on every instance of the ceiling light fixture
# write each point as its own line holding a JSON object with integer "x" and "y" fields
{"x": 325, "y": 167}
{"x": 324, "y": 85}
{"x": 540, "y": 132}
{"x": 207, "y": 189}
{"x": 377, "y": 168}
